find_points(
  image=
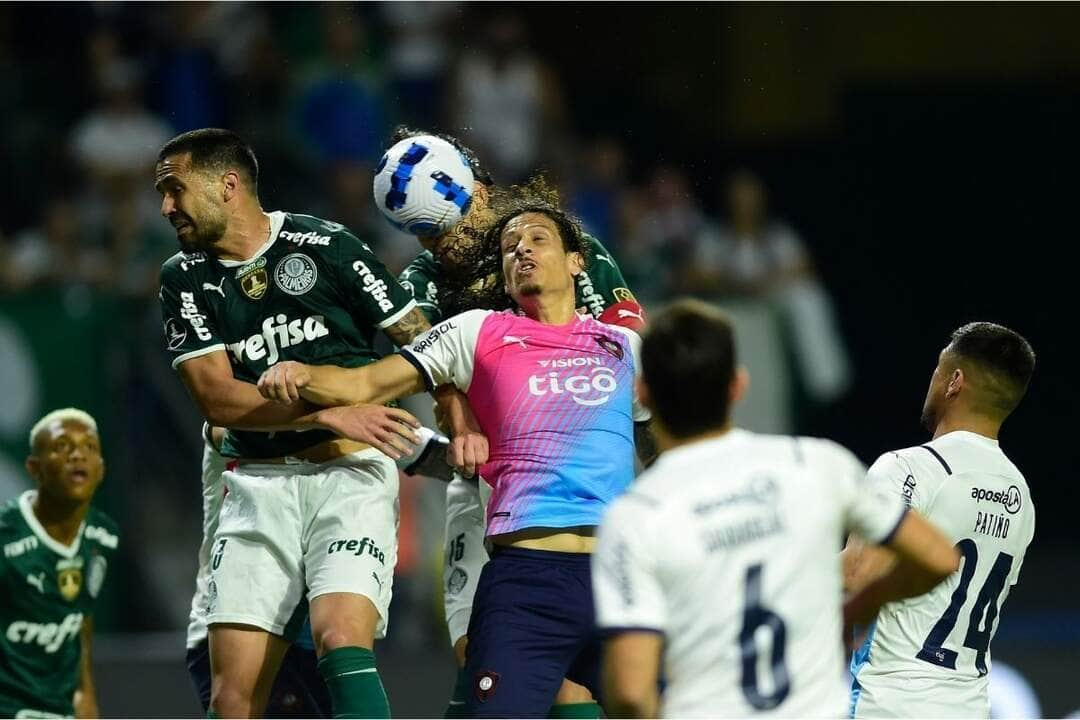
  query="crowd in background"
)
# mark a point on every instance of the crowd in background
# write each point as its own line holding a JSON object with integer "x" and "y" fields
{"x": 316, "y": 90}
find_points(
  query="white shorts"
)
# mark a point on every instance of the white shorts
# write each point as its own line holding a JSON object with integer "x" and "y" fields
{"x": 289, "y": 529}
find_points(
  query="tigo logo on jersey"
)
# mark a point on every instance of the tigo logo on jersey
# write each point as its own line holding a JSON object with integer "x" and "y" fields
{"x": 373, "y": 286}
{"x": 279, "y": 332}
{"x": 49, "y": 636}
{"x": 190, "y": 312}
{"x": 296, "y": 274}
{"x": 1009, "y": 499}
{"x": 599, "y": 384}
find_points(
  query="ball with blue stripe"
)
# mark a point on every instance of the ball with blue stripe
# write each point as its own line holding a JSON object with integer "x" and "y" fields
{"x": 423, "y": 185}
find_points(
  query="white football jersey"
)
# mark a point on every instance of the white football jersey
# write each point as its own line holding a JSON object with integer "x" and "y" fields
{"x": 730, "y": 548}
{"x": 929, "y": 656}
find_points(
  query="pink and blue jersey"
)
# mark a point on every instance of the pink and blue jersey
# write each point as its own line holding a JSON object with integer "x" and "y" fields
{"x": 556, "y": 403}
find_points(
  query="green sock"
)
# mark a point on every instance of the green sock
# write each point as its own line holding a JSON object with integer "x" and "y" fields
{"x": 456, "y": 708}
{"x": 353, "y": 680}
{"x": 575, "y": 710}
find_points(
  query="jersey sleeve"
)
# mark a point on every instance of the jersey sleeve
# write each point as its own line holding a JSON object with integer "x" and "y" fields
{"x": 640, "y": 413}
{"x": 445, "y": 353}
{"x": 893, "y": 473}
{"x": 189, "y": 331}
{"x": 607, "y": 278}
{"x": 418, "y": 279}
{"x": 626, "y": 585}
{"x": 873, "y": 510}
{"x": 465, "y": 553}
{"x": 374, "y": 296}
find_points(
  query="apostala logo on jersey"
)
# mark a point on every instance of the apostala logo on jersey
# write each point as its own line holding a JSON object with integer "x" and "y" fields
{"x": 279, "y": 332}
{"x": 252, "y": 278}
{"x": 50, "y": 636}
{"x": 1009, "y": 499}
{"x": 373, "y": 286}
{"x": 69, "y": 577}
{"x": 296, "y": 274}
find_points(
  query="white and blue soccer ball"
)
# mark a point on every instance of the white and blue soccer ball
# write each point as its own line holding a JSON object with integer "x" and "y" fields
{"x": 423, "y": 185}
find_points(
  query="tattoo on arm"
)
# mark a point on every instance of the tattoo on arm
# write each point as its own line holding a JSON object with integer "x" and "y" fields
{"x": 644, "y": 443}
{"x": 404, "y": 330}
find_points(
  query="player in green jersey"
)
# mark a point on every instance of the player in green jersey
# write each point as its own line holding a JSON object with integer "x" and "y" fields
{"x": 56, "y": 552}
{"x": 305, "y": 512}
{"x": 455, "y": 273}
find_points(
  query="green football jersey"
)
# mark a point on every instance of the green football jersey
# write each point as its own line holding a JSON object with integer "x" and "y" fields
{"x": 314, "y": 293}
{"x": 598, "y": 288}
{"x": 48, "y": 590}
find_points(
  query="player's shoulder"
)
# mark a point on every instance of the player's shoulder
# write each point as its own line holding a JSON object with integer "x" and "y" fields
{"x": 184, "y": 264}
{"x": 316, "y": 234}
{"x": 423, "y": 264}
{"x": 923, "y": 460}
{"x": 10, "y": 516}
{"x": 819, "y": 448}
{"x": 101, "y": 529}
{"x": 593, "y": 244}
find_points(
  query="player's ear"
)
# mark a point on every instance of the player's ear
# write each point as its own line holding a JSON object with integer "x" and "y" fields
{"x": 956, "y": 383}
{"x": 577, "y": 263}
{"x": 231, "y": 185}
{"x": 740, "y": 383}
{"x": 33, "y": 468}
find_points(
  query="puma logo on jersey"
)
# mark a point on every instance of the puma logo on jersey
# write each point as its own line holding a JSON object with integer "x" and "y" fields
{"x": 278, "y": 332}
{"x": 216, "y": 288}
{"x": 606, "y": 259}
{"x": 624, "y": 313}
{"x": 509, "y": 339}
{"x": 50, "y": 636}
{"x": 37, "y": 581}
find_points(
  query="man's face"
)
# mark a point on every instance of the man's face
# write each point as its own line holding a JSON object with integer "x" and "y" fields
{"x": 66, "y": 462}
{"x": 450, "y": 247}
{"x": 935, "y": 394}
{"x": 191, "y": 201}
{"x": 534, "y": 259}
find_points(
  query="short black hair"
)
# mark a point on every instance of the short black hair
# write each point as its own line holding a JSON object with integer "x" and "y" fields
{"x": 688, "y": 363}
{"x": 480, "y": 173}
{"x": 215, "y": 148}
{"x": 1004, "y": 357}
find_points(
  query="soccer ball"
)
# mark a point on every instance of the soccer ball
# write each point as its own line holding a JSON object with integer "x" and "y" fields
{"x": 423, "y": 185}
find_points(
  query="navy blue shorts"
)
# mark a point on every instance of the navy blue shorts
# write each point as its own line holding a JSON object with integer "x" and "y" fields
{"x": 298, "y": 692}
{"x": 533, "y": 623}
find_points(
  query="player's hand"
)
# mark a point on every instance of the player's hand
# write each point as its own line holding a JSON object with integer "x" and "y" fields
{"x": 467, "y": 452}
{"x": 389, "y": 430}
{"x": 282, "y": 381}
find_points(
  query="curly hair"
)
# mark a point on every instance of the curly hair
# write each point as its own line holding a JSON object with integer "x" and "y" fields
{"x": 475, "y": 279}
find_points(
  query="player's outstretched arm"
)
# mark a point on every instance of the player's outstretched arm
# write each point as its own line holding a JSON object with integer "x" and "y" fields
{"x": 380, "y": 382}
{"x": 227, "y": 402}
{"x": 631, "y": 672}
{"x": 925, "y": 557}
{"x": 85, "y": 700}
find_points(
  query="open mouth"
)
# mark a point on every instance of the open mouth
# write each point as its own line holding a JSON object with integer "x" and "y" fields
{"x": 78, "y": 475}
{"x": 525, "y": 267}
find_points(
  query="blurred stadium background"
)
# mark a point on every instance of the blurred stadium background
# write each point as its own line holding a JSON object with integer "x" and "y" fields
{"x": 918, "y": 163}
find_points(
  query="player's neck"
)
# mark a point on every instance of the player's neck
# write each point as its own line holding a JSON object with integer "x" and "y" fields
{"x": 247, "y": 232}
{"x": 968, "y": 422}
{"x": 60, "y": 520}
{"x": 666, "y": 441}
{"x": 549, "y": 308}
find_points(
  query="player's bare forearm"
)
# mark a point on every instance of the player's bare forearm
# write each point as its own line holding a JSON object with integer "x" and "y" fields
{"x": 412, "y": 324}
{"x": 85, "y": 700}
{"x": 863, "y": 563}
{"x": 925, "y": 558}
{"x": 631, "y": 669}
{"x": 380, "y": 382}
{"x": 227, "y": 402}
{"x": 645, "y": 443}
